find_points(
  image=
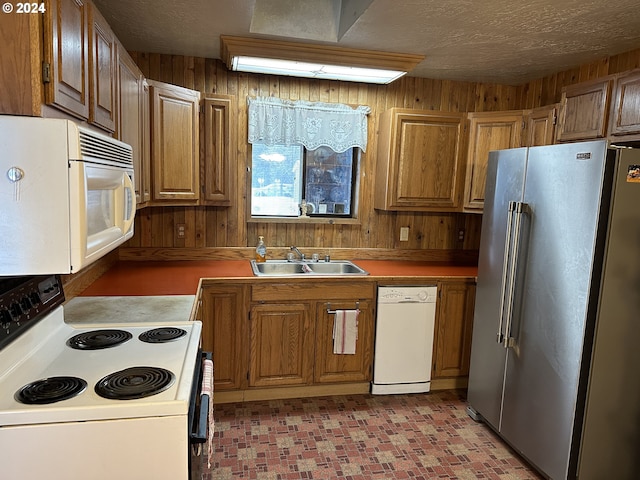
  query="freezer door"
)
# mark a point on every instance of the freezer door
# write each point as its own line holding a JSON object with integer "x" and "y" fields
{"x": 611, "y": 436}
{"x": 505, "y": 181}
{"x": 562, "y": 196}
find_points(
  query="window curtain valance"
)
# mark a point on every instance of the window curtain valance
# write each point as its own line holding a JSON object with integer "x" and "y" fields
{"x": 273, "y": 121}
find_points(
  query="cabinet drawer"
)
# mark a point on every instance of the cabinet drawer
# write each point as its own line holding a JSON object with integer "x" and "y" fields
{"x": 311, "y": 290}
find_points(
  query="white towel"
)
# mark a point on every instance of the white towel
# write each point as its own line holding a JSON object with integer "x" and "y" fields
{"x": 345, "y": 331}
{"x": 207, "y": 389}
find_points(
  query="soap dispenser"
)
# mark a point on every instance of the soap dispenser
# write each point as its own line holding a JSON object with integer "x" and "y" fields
{"x": 261, "y": 250}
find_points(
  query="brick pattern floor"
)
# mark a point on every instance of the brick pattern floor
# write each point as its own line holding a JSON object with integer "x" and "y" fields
{"x": 359, "y": 437}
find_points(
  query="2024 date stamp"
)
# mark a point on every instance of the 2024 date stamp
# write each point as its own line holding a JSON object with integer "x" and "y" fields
{"x": 19, "y": 7}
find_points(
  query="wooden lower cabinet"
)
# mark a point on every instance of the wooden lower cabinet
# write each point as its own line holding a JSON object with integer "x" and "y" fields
{"x": 281, "y": 345}
{"x": 291, "y": 341}
{"x": 275, "y": 339}
{"x": 332, "y": 368}
{"x": 454, "y": 324}
{"x": 224, "y": 317}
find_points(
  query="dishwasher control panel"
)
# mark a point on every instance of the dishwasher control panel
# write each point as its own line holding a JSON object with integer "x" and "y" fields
{"x": 402, "y": 294}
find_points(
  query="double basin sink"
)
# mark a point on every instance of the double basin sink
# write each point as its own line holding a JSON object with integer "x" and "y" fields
{"x": 283, "y": 268}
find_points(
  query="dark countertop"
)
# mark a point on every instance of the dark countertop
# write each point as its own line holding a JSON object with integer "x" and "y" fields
{"x": 128, "y": 278}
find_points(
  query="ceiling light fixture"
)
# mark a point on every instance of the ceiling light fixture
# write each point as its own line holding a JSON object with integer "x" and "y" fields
{"x": 314, "y": 61}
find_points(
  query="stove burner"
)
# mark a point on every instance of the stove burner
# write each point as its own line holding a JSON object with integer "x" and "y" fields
{"x": 162, "y": 335}
{"x": 98, "y": 339}
{"x": 50, "y": 390}
{"x": 134, "y": 382}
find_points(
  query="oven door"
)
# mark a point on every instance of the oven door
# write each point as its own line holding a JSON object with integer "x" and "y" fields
{"x": 201, "y": 417}
{"x": 102, "y": 210}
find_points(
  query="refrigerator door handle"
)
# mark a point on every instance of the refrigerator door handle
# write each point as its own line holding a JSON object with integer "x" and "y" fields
{"x": 520, "y": 209}
{"x": 505, "y": 270}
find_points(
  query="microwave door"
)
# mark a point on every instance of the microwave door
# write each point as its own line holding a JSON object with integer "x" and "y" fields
{"x": 104, "y": 210}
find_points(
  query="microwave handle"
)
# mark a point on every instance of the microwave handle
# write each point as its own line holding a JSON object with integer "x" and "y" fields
{"x": 128, "y": 185}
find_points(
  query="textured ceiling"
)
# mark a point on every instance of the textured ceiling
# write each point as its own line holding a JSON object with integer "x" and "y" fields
{"x": 501, "y": 41}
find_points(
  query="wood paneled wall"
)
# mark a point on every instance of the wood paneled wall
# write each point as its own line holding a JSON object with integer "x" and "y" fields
{"x": 548, "y": 90}
{"x": 228, "y": 227}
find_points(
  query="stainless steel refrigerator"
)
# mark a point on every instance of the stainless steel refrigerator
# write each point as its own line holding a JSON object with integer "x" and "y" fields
{"x": 555, "y": 358}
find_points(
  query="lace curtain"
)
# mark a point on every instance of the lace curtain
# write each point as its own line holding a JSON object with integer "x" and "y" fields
{"x": 273, "y": 121}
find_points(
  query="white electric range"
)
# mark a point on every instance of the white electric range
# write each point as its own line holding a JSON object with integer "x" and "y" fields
{"x": 96, "y": 401}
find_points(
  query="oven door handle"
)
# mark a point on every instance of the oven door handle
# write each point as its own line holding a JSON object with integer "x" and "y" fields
{"x": 200, "y": 422}
{"x": 200, "y": 435}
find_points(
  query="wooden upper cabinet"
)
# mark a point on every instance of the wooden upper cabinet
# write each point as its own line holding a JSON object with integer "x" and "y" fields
{"x": 540, "y": 126}
{"x": 218, "y": 154}
{"x": 21, "y": 64}
{"x": 625, "y": 118}
{"x": 67, "y": 56}
{"x": 419, "y": 164}
{"x": 175, "y": 147}
{"x": 584, "y": 109}
{"x": 103, "y": 67}
{"x": 131, "y": 120}
{"x": 488, "y": 131}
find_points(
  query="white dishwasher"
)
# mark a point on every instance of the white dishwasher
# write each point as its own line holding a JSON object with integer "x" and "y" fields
{"x": 404, "y": 339}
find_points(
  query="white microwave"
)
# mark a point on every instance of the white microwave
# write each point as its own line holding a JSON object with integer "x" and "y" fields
{"x": 66, "y": 195}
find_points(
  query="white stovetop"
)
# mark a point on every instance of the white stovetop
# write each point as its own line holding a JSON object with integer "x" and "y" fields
{"x": 41, "y": 352}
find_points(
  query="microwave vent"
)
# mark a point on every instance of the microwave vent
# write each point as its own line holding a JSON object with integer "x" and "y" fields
{"x": 100, "y": 149}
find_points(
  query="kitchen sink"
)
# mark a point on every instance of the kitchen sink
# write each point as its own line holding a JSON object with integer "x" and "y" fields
{"x": 282, "y": 268}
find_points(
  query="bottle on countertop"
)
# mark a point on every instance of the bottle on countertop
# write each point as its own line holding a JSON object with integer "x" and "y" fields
{"x": 261, "y": 250}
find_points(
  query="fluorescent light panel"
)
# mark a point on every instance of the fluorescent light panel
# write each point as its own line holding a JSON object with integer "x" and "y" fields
{"x": 272, "y": 66}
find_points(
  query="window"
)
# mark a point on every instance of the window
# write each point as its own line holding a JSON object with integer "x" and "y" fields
{"x": 283, "y": 176}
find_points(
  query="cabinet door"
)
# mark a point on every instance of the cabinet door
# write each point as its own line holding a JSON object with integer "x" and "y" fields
{"x": 281, "y": 345}
{"x": 626, "y": 109}
{"x": 487, "y": 131}
{"x": 219, "y": 158}
{"x": 131, "y": 119}
{"x": 174, "y": 148}
{"x": 332, "y": 368}
{"x": 540, "y": 126}
{"x": 67, "y": 54}
{"x": 419, "y": 160}
{"x": 21, "y": 65}
{"x": 103, "y": 75}
{"x": 223, "y": 318}
{"x": 584, "y": 109}
{"x": 454, "y": 324}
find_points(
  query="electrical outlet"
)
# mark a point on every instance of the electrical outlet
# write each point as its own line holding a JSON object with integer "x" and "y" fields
{"x": 461, "y": 235}
{"x": 180, "y": 229}
{"x": 404, "y": 234}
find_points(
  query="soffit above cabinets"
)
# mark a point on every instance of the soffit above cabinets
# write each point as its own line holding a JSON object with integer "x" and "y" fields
{"x": 490, "y": 41}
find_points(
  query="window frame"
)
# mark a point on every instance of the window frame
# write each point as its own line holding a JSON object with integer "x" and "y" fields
{"x": 331, "y": 218}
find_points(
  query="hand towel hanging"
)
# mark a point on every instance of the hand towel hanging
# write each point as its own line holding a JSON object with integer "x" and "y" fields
{"x": 207, "y": 389}
{"x": 345, "y": 331}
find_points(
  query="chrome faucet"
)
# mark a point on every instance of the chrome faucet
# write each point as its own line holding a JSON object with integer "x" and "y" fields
{"x": 295, "y": 249}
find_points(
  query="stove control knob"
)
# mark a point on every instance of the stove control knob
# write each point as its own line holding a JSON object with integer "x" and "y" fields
{"x": 15, "y": 310}
{"x": 5, "y": 318}
{"x": 35, "y": 298}
{"x": 25, "y": 303}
